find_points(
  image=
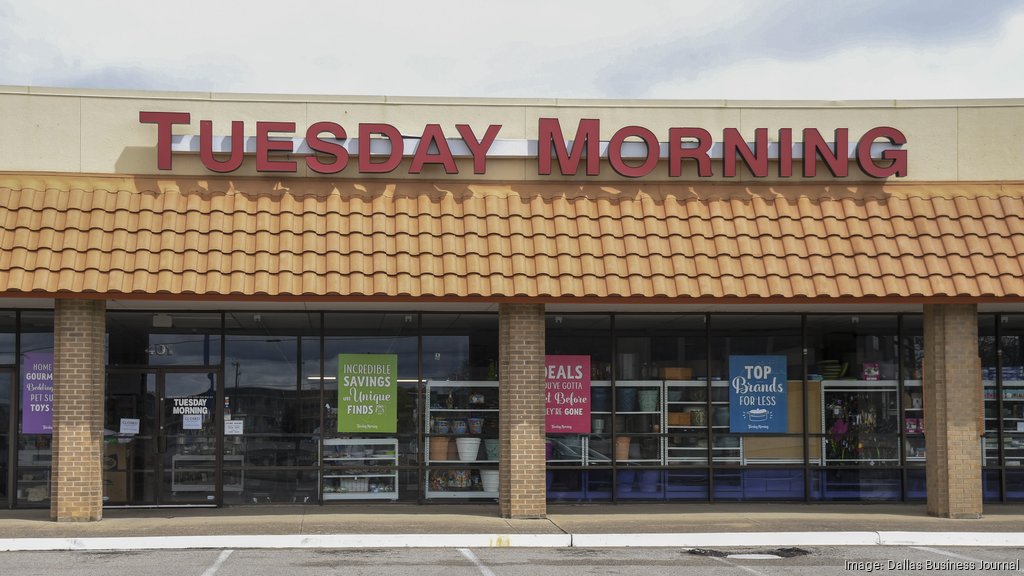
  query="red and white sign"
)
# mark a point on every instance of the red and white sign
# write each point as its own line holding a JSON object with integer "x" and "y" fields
{"x": 567, "y": 386}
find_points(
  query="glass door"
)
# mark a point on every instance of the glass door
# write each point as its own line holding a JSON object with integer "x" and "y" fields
{"x": 130, "y": 470}
{"x": 188, "y": 437}
{"x": 160, "y": 438}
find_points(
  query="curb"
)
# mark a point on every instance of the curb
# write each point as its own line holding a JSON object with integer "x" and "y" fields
{"x": 726, "y": 539}
{"x": 671, "y": 540}
{"x": 986, "y": 539}
{"x": 747, "y": 539}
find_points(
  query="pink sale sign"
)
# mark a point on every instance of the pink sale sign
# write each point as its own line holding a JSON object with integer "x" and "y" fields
{"x": 567, "y": 386}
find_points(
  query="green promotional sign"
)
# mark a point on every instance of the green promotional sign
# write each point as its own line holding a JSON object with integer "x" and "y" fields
{"x": 367, "y": 393}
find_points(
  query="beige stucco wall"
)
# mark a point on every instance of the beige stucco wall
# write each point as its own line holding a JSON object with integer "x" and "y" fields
{"x": 98, "y": 132}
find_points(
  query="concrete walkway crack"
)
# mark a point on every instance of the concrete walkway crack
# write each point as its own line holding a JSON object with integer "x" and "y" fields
{"x": 555, "y": 524}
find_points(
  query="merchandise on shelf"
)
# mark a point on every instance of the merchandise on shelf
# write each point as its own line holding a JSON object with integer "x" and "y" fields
{"x": 360, "y": 468}
{"x": 462, "y": 448}
{"x": 860, "y": 422}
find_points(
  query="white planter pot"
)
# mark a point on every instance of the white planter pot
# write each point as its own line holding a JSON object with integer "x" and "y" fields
{"x": 468, "y": 448}
{"x": 489, "y": 480}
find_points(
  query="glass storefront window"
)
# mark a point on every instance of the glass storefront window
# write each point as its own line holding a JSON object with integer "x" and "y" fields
{"x": 262, "y": 486}
{"x": 6, "y": 395}
{"x": 460, "y": 347}
{"x": 8, "y": 327}
{"x": 583, "y": 335}
{"x": 34, "y": 450}
{"x": 267, "y": 359}
{"x": 912, "y": 400}
{"x": 460, "y": 370}
{"x": 352, "y": 467}
{"x": 659, "y": 407}
{"x": 988, "y": 352}
{"x": 163, "y": 338}
{"x": 661, "y": 392}
{"x": 1010, "y": 406}
{"x": 759, "y": 335}
{"x": 853, "y": 364}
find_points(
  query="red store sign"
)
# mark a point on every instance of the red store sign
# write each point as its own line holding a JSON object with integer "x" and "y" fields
{"x": 633, "y": 151}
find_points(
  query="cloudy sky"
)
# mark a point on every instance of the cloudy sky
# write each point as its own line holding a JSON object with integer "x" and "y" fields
{"x": 674, "y": 49}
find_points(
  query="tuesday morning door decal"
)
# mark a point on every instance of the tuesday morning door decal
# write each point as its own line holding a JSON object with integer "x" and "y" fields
{"x": 757, "y": 395}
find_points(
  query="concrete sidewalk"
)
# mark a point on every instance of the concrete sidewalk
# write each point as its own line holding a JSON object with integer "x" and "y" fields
{"x": 385, "y": 525}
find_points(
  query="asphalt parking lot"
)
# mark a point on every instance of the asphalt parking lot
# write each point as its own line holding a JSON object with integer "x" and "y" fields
{"x": 520, "y": 561}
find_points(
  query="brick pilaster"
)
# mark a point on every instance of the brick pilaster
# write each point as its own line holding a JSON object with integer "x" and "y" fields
{"x": 521, "y": 491}
{"x": 76, "y": 492}
{"x": 952, "y": 410}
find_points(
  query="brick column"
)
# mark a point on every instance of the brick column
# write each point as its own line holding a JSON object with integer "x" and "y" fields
{"x": 952, "y": 410}
{"x": 76, "y": 491}
{"x": 521, "y": 492}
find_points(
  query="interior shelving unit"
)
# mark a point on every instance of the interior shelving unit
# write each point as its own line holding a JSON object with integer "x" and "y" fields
{"x": 689, "y": 410}
{"x": 913, "y": 421}
{"x": 1012, "y": 415}
{"x": 639, "y": 419}
{"x": 859, "y": 421}
{"x": 451, "y": 405}
{"x": 360, "y": 468}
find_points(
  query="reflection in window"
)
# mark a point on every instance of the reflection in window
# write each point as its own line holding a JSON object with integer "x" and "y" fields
{"x": 853, "y": 358}
{"x": 460, "y": 347}
{"x": 590, "y": 335}
{"x": 373, "y": 333}
{"x": 7, "y": 328}
{"x": 852, "y": 347}
{"x": 758, "y": 335}
{"x": 163, "y": 339}
{"x": 267, "y": 390}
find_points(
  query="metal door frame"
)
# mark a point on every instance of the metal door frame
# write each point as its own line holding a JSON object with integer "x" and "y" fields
{"x": 159, "y": 439}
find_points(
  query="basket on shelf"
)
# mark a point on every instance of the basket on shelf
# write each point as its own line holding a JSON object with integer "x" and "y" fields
{"x": 354, "y": 485}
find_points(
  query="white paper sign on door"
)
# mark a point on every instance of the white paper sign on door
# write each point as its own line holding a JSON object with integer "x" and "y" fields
{"x": 192, "y": 421}
{"x": 129, "y": 426}
{"x": 233, "y": 427}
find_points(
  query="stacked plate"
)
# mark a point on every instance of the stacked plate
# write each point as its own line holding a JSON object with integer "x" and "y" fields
{"x": 831, "y": 369}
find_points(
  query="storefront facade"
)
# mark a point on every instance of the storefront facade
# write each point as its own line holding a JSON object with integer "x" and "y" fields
{"x": 224, "y": 299}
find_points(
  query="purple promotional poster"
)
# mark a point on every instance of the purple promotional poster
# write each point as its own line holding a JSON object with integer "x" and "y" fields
{"x": 37, "y": 393}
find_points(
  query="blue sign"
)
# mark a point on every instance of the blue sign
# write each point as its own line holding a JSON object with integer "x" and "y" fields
{"x": 757, "y": 395}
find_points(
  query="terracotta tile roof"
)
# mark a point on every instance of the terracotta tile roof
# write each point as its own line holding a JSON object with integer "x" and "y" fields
{"x": 326, "y": 239}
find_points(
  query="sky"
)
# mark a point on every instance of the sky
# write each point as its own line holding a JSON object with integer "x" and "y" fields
{"x": 644, "y": 49}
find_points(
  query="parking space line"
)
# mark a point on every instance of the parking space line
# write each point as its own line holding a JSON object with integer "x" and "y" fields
{"x": 978, "y": 561}
{"x": 476, "y": 561}
{"x": 734, "y": 565}
{"x": 217, "y": 563}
